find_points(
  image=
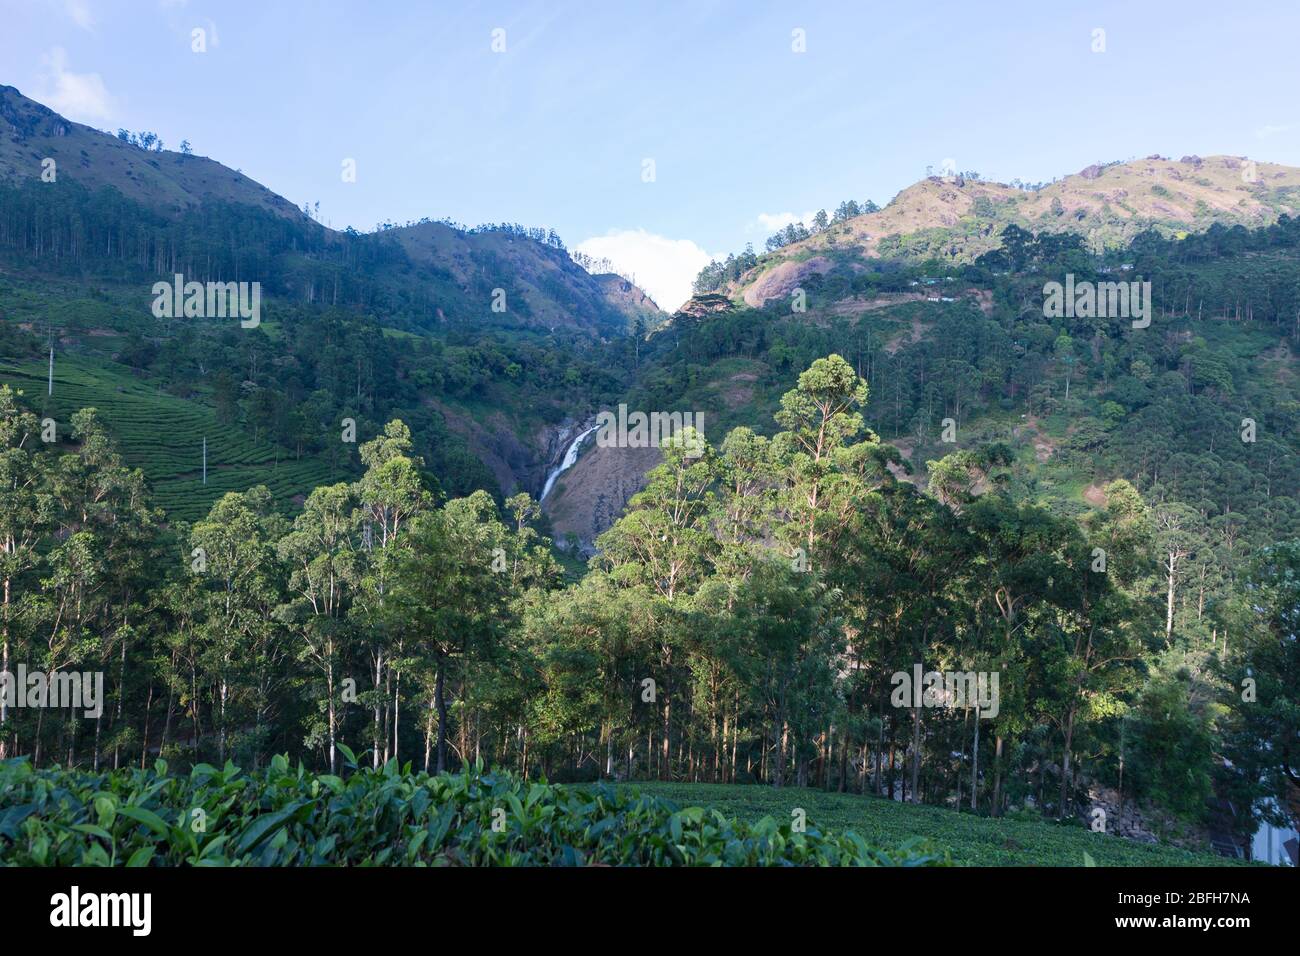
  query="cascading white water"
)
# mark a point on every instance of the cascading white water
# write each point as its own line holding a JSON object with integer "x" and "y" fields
{"x": 570, "y": 458}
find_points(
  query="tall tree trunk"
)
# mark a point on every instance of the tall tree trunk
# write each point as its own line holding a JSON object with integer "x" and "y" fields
{"x": 782, "y": 738}
{"x": 144, "y": 733}
{"x": 1065, "y": 764}
{"x": 439, "y": 695}
{"x": 329, "y": 687}
{"x": 4, "y": 668}
{"x": 916, "y": 752}
{"x": 997, "y": 777}
{"x": 1169, "y": 605}
{"x": 117, "y": 721}
{"x": 428, "y": 733}
{"x": 374, "y": 730}
{"x": 397, "y": 706}
{"x": 666, "y": 768}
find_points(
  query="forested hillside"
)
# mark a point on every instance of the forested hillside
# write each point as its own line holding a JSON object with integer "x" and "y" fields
{"x": 957, "y": 216}
{"x": 320, "y": 534}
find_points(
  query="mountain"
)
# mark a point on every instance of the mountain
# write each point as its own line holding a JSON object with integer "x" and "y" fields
{"x": 958, "y": 219}
{"x": 164, "y": 180}
{"x": 395, "y": 323}
{"x": 450, "y": 272}
{"x": 399, "y": 323}
{"x": 555, "y": 289}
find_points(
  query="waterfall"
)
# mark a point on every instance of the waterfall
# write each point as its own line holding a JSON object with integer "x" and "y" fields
{"x": 570, "y": 458}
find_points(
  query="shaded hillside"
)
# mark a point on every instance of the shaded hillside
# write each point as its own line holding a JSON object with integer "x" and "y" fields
{"x": 553, "y": 290}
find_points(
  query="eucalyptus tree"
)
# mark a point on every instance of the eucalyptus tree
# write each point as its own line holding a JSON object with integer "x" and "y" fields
{"x": 816, "y": 454}
{"x": 115, "y": 507}
{"x": 1261, "y": 729}
{"x": 325, "y": 572}
{"x": 1176, "y": 532}
{"x": 234, "y": 551}
{"x": 784, "y": 639}
{"x": 26, "y": 507}
{"x": 662, "y": 548}
{"x": 1095, "y": 638}
{"x": 911, "y": 552}
{"x": 448, "y": 598}
{"x": 70, "y": 602}
{"x": 593, "y": 657}
{"x": 1018, "y": 560}
{"x": 389, "y": 496}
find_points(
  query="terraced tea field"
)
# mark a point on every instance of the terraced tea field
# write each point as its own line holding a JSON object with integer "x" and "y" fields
{"x": 163, "y": 436}
{"x": 972, "y": 840}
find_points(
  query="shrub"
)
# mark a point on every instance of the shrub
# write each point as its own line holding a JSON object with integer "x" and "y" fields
{"x": 283, "y": 816}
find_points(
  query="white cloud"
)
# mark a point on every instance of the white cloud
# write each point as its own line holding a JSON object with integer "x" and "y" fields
{"x": 1264, "y": 132}
{"x": 664, "y": 267}
{"x": 78, "y": 96}
{"x": 79, "y": 12}
{"x": 772, "y": 221}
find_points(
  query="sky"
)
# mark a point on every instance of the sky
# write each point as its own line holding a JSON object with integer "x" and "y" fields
{"x": 659, "y": 134}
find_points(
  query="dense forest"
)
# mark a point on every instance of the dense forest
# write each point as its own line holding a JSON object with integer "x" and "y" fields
{"x": 741, "y": 622}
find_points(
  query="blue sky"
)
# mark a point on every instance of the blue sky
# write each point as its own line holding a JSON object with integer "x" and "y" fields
{"x": 743, "y": 131}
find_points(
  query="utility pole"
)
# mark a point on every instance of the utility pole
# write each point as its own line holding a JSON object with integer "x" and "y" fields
{"x": 51, "y": 383}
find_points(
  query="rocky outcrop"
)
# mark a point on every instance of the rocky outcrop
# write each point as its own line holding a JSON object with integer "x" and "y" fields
{"x": 591, "y": 495}
{"x": 1141, "y": 822}
{"x": 783, "y": 279}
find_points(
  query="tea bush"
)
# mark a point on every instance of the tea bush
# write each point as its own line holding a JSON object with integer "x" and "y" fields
{"x": 283, "y": 816}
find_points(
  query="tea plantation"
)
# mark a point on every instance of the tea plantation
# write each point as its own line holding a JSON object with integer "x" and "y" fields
{"x": 163, "y": 436}
{"x": 285, "y": 816}
{"x": 971, "y": 840}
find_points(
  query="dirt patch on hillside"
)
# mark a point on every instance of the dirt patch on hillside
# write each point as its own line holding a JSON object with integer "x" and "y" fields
{"x": 907, "y": 337}
{"x": 904, "y": 446}
{"x": 858, "y": 304}
{"x": 1281, "y": 357}
{"x": 1095, "y": 495}
{"x": 1044, "y": 446}
{"x": 740, "y": 391}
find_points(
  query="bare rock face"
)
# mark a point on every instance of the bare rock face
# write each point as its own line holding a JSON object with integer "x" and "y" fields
{"x": 591, "y": 495}
{"x": 1141, "y": 822}
{"x": 779, "y": 281}
{"x": 21, "y": 118}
